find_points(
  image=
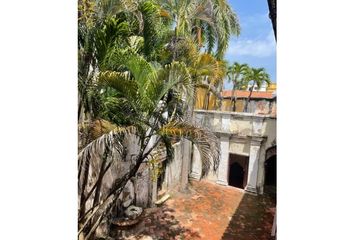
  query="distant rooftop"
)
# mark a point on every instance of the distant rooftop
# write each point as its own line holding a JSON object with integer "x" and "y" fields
{"x": 245, "y": 94}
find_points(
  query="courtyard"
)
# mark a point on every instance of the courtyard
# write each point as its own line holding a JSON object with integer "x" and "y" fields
{"x": 211, "y": 212}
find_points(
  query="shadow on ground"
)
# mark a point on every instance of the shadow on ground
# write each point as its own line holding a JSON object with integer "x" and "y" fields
{"x": 159, "y": 224}
{"x": 253, "y": 218}
{"x": 208, "y": 212}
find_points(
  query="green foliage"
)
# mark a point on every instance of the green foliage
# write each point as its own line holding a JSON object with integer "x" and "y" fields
{"x": 152, "y": 24}
{"x": 236, "y": 73}
{"x": 139, "y": 64}
{"x": 155, "y": 169}
{"x": 256, "y": 76}
{"x": 209, "y": 22}
{"x": 204, "y": 139}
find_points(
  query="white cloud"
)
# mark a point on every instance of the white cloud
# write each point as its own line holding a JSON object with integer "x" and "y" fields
{"x": 252, "y": 47}
{"x": 254, "y": 21}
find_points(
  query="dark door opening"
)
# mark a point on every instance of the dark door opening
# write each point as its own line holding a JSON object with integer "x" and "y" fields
{"x": 238, "y": 171}
{"x": 271, "y": 171}
{"x": 236, "y": 175}
{"x": 270, "y": 181}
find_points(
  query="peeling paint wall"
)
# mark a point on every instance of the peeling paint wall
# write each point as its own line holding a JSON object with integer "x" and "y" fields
{"x": 174, "y": 170}
{"x": 240, "y": 148}
{"x": 241, "y": 128}
{"x": 137, "y": 190}
{"x": 270, "y": 131}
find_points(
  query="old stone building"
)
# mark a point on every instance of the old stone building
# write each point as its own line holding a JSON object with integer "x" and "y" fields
{"x": 248, "y": 146}
{"x": 248, "y": 142}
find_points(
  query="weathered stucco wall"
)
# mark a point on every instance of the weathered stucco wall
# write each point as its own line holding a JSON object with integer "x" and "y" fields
{"x": 241, "y": 130}
{"x": 173, "y": 171}
{"x": 240, "y": 147}
{"x": 136, "y": 192}
{"x": 237, "y": 124}
{"x": 270, "y": 130}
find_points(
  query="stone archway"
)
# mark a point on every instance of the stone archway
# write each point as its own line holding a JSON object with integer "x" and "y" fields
{"x": 272, "y": 151}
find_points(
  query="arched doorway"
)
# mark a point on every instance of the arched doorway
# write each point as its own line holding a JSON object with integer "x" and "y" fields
{"x": 238, "y": 171}
{"x": 270, "y": 167}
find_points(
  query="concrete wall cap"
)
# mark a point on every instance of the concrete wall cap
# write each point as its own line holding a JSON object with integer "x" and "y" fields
{"x": 240, "y": 114}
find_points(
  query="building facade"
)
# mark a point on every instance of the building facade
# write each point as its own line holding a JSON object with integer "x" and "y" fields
{"x": 247, "y": 141}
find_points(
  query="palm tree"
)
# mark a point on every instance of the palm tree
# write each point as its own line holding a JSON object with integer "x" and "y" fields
{"x": 235, "y": 73}
{"x": 105, "y": 24}
{"x": 256, "y": 76}
{"x": 130, "y": 88}
{"x": 142, "y": 93}
{"x": 214, "y": 81}
{"x": 206, "y": 71}
{"x": 207, "y": 21}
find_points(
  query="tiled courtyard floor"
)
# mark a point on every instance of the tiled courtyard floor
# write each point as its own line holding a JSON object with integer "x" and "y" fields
{"x": 210, "y": 212}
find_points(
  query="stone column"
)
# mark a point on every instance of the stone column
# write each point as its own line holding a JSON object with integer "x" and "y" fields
{"x": 186, "y": 160}
{"x": 196, "y": 171}
{"x": 253, "y": 165}
{"x": 224, "y": 160}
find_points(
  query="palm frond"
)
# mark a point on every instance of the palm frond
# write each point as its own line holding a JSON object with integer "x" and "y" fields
{"x": 226, "y": 22}
{"x": 206, "y": 142}
{"x": 210, "y": 38}
{"x": 144, "y": 74}
{"x": 111, "y": 140}
{"x": 176, "y": 76}
{"x": 151, "y": 15}
{"x": 90, "y": 131}
{"x": 120, "y": 81}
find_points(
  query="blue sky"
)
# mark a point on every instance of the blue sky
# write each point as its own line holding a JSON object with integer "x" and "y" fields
{"x": 256, "y": 43}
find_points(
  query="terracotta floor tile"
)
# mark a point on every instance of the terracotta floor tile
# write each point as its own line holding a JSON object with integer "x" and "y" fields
{"x": 211, "y": 212}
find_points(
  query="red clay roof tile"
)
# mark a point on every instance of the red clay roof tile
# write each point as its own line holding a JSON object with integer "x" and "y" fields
{"x": 245, "y": 94}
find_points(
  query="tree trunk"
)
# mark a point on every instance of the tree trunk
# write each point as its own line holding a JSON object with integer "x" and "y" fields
{"x": 205, "y": 84}
{"x": 90, "y": 219}
{"x": 234, "y": 98}
{"x": 234, "y": 92}
{"x": 207, "y": 97}
{"x": 199, "y": 36}
{"x": 249, "y": 98}
{"x": 185, "y": 145}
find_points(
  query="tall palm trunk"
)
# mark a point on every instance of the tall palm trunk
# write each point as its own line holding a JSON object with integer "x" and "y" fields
{"x": 206, "y": 101}
{"x": 234, "y": 92}
{"x": 186, "y": 150}
{"x": 234, "y": 99}
{"x": 199, "y": 37}
{"x": 249, "y": 98}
